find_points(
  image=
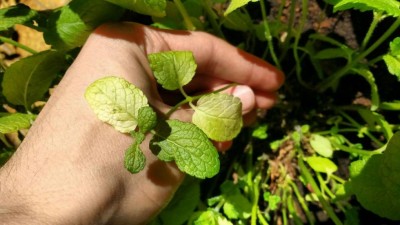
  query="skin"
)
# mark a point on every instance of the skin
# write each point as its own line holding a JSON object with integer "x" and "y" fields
{"x": 69, "y": 168}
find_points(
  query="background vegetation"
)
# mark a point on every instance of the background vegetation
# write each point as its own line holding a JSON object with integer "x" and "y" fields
{"x": 328, "y": 153}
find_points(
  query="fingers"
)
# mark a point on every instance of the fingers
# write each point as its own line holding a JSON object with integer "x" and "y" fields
{"x": 218, "y": 59}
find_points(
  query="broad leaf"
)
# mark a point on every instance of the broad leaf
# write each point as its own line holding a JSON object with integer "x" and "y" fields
{"x": 71, "y": 25}
{"x": 135, "y": 160}
{"x": 15, "y": 122}
{"x": 376, "y": 181}
{"x": 235, "y": 4}
{"x": 189, "y": 146}
{"x": 211, "y": 217}
{"x": 321, "y": 145}
{"x": 28, "y": 79}
{"x": 116, "y": 102}
{"x": 392, "y": 59}
{"x": 322, "y": 165}
{"x": 390, "y": 7}
{"x": 147, "y": 119}
{"x": 18, "y": 14}
{"x": 236, "y": 205}
{"x": 147, "y": 7}
{"x": 172, "y": 20}
{"x": 173, "y": 69}
{"x": 219, "y": 116}
{"x": 238, "y": 20}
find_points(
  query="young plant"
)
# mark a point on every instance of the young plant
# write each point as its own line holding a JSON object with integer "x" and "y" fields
{"x": 216, "y": 116}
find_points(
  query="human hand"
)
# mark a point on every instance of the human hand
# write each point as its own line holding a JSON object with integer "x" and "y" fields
{"x": 69, "y": 169}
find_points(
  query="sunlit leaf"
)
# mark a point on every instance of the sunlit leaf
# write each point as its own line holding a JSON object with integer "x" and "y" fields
{"x": 18, "y": 14}
{"x": 15, "y": 122}
{"x": 321, "y": 145}
{"x": 116, "y": 102}
{"x": 147, "y": 7}
{"x": 321, "y": 164}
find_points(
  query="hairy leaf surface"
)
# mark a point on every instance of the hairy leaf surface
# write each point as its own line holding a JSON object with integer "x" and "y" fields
{"x": 188, "y": 146}
{"x": 173, "y": 69}
{"x": 376, "y": 181}
{"x": 15, "y": 122}
{"x": 135, "y": 160}
{"x": 147, "y": 7}
{"x": 219, "y": 116}
{"x": 116, "y": 102}
{"x": 28, "y": 79}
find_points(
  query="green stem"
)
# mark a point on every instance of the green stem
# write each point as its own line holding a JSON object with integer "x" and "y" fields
{"x": 268, "y": 36}
{"x": 5, "y": 141}
{"x": 337, "y": 178}
{"x": 256, "y": 195}
{"x": 186, "y": 18}
{"x": 329, "y": 82}
{"x": 302, "y": 202}
{"x": 211, "y": 18}
{"x": 17, "y": 44}
{"x": 324, "y": 187}
{"x": 377, "y": 18}
{"x": 261, "y": 218}
{"x": 306, "y": 174}
{"x": 358, "y": 151}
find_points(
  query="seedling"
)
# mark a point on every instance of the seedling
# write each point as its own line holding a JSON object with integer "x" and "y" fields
{"x": 216, "y": 116}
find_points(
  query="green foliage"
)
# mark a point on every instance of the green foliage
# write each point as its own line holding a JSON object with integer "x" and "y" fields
{"x": 70, "y": 26}
{"x": 236, "y": 205}
{"x": 219, "y": 116}
{"x": 18, "y": 14}
{"x": 116, "y": 102}
{"x": 392, "y": 59}
{"x": 135, "y": 160}
{"x": 147, "y": 119}
{"x": 390, "y": 7}
{"x": 173, "y": 69}
{"x": 321, "y": 145}
{"x": 147, "y": 7}
{"x": 27, "y": 80}
{"x": 375, "y": 181}
{"x": 235, "y": 4}
{"x": 189, "y": 147}
{"x": 15, "y": 122}
{"x": 321, "y": 164}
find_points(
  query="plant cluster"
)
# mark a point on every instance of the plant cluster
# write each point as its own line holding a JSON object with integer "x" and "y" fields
{"x": 329, "y": 150}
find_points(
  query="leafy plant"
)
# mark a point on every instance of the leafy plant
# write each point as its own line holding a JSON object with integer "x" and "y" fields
{"x": 309, "y": 156}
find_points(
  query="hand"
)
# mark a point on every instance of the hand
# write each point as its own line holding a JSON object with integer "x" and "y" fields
{"x": 69, "y": 169}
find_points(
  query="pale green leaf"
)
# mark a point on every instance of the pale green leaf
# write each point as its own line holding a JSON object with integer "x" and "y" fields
{"x": 395, "y": 47}
{"x": 146, "y": 7}
{"x": 376, "y": 181}
{"x": 273, "y": 200}
{"x": 235, "y": 4}
{"x": 193, "y": 152}
{"x": 147, "y": 119}
{"x": 322, "y": 165}
{"x": 173, "y": 69}
{"x": 219, "y": 116}
{"x": 15, "y": 122}
{"x": 116, "y": 102}
{"x": 321, "y": 145}
{"x": 393, "y": 64}
{"x": 211, "y": 217}
{"x": 18, "y": 14}
{"x": 390, "y": 7}
{"x": 28, "y": 79}
{"x": 260, "y": 132}
{"x": 135, "y": 160}
{"x": 70, "y": 26}
{"x": 236, "y": 205}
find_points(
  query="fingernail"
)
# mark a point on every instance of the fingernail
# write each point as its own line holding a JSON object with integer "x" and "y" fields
{"x": 246, "y": 95}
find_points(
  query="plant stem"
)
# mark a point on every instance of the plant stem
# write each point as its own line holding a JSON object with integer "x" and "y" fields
{"x": 186, "y": 18}
{"x": 261, "y": 218}
{"x": 302, "y": 202}
{"x": 256, "y": 195}
{"x": 356, "y": 150}
{"x": 17, "y": 44}
{"x": 377, "y": 18}
{"x": 211, "y": 18}
{"x": 328, "y": 82}
{"x": 268, "y": 36}
{"x": 306, "y": 174}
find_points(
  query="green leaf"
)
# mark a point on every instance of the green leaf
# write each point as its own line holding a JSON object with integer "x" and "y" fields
{"x": 172, "y": 20}
{"x": 71, "y": 25}
{"x": 332, "y": 53}
{"x": 211, "y": 217}
{"x": 322, "y": 165}
{"x": 28, "y": 79}
{"x": 238, "y": 21}
{"x": 173, "y": 69}
{"x": 260, "y": 132}
{"x": 390, "y": 7}
{"x": 134, "y": 158}
{"x": 146, "y": 7}
{"x": 235, "y": 4}
{"x": 184, "y": 202}
{"x": 321, "y": 145}
{"x": 392, "y": 59}
{"x": 193, "y": 152}
{"x": 15, "y": 122}
{"x": 219, "y": 116}
{"x": 273, "y": 200}
{"x": 376, "y": 181}
{"x": 369, "y": 77}
{"x": 116, "y": 102}
{"x": 18, "y": 14}
{"x": 147, "y": 119}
